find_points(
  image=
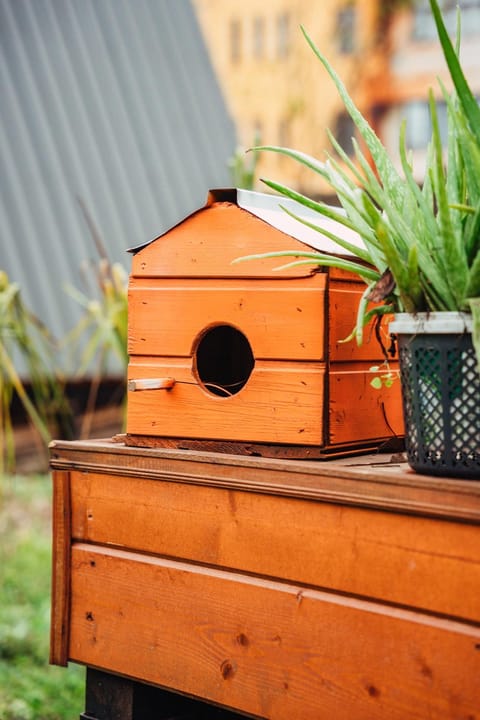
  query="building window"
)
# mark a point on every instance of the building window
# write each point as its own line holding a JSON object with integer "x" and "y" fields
{"x": 344, "y": 132}
{"x": 258, "y": 37}
{"x": 235, "y": 41}
{"x": 470, "y": 17}
{"x": 283, "y": 36}
{"x": 345, "y": 29}
{"x": 424, "y": 25}
{"x": 419, "y": 123}
{"x": 417, "y": 116}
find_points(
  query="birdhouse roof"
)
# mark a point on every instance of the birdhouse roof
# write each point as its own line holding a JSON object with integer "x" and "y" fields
{"x": 274, "y": 210}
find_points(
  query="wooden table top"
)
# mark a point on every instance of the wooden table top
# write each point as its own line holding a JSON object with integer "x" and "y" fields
{"x": 380, "y": 480}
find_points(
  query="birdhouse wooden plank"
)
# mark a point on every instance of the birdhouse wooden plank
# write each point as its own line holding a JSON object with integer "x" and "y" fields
{"x": 244, "y": 353}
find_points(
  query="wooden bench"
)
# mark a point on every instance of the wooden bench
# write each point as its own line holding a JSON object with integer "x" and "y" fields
{"x": 268, "y": 588}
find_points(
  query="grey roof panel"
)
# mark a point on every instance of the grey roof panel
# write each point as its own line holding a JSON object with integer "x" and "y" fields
{"x": 110, "y": 101}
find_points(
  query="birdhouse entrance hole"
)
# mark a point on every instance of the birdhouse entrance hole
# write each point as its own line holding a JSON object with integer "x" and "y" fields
{"x": 223, "y": 360}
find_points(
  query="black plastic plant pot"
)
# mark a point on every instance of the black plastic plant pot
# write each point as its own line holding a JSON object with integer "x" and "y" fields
{"x": 441, "y": 393}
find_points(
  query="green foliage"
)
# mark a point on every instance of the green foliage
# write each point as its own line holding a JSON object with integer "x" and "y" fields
{"x": 101, "y": 331}
{"x": 30, "y": 689}
{"x": 243, "y": 167}
{"x": 422, "y": 244}
{"x": 475, "y": 307}
{"x": 24, "y": 338}
{"x": 105, "y": 317}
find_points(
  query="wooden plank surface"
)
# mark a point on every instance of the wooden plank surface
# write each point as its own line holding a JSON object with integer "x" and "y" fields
{"x": 60, "y": 595}
{"x": 281, "y": 319}
{"x": 276, "y": 650}
{"x": 357, "y": 411}
{"x": 343, "y": 298}
{"x": 265, "y": 450}
{"x": 281, "y": 403}
{"x": 205, "y": 244}
{"x": 424, "y": 563}
{"x": 381, "y": 481}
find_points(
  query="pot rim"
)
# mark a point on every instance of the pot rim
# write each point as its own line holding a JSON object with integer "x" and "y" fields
{"x": 438, "y": 323}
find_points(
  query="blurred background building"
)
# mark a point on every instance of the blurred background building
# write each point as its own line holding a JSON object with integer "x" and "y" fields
{"x": 134, "y": 109}
{"x": 386, "y": 52}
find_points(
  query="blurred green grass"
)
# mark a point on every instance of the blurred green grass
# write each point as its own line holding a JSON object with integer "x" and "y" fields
{"x": 30, "y": 688}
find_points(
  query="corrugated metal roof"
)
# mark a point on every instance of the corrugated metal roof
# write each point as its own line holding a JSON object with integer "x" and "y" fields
{"x": 110, "y": 101}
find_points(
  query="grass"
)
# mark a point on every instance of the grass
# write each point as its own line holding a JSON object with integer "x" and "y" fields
{"x": 30, "y": 688}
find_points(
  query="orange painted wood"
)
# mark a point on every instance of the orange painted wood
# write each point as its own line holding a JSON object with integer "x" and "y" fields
{"x": 276, "y": 650}
{"x": 343, "y": 275}
{"x": 343, "y": 299}
{"x": 356, "y": 410}
{"x": 206, "y": 243}
{"x": 379, "y": 480}
{"x": 281, "y": 319}
{"x": 184, "y": 284}
{"x": 424, "y": 563}
{"x": 281, "y": 403}
{"x": 60, "y": 595}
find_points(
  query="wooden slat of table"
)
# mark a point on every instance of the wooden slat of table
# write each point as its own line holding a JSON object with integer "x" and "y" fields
{"x": 367, "y": 481}
{"x": 426, "y": 563}
{"x": 272, "y": 649}
{"x": 61, "y": 531}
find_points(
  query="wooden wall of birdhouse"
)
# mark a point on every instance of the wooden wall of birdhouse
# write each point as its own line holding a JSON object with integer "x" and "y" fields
{"x": 243, "y": 356}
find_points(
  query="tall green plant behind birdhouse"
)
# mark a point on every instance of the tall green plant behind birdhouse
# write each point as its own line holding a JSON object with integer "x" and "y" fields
{"x": 421, "y": 244}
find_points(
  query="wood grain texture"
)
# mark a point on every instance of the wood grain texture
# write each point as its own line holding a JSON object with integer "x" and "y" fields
{"x": 206, "y": 243}
{"x": 276, "y": 650}
{"x": 282, "y": 320}
{"x": 266, "y": 450}
{"x": 423, "y": 563}
{"x": 281, "y": 403}
{"x": 357, "y": 411}
{"x": 379, "y": 481}
{"x": 60, "y": 595}
{"x": 184, "y": 284}
{"x": 343, "y": 298}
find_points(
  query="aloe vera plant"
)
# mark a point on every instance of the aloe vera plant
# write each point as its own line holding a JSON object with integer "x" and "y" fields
{"x": 421, "y": 244}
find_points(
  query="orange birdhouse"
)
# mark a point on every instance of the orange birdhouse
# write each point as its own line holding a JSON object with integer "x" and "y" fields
{"x": 241, "y": 356}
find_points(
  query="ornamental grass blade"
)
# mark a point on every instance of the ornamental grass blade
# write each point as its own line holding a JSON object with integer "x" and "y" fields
{"x": 371, "y": 182}
{"x": 301, "y": 157}
{"x": 353, "y": 203}
{"x": 475, "y": 309}
{"x": 366, "y": 273}
{"x": 473, "y": 284}
{"x": 349, "y": 247}
{"x": 452, "y": 253}
{"x": 324, "y": 210}
{"x": 426, "y": 215}
{"x": 386, "y": 169}
{"x": 465, "y": 95}
{"x": 8, "y": 367}
{"x": 344, "y": 157}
